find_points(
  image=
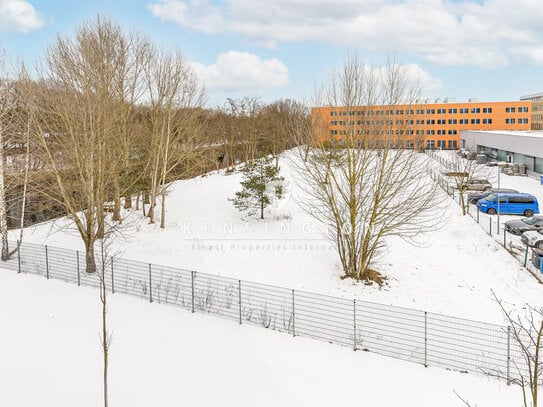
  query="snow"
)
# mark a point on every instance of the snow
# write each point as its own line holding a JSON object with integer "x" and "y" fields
{"x": 164, "y": 356}
{"x": 453, "y": 274}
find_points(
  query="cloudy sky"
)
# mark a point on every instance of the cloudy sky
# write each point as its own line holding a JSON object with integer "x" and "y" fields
{"x": 486, "y": 49}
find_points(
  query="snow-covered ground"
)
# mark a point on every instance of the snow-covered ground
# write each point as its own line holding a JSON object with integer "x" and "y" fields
{"x": 164, "y": 356}
{"x": 452, "y": 274}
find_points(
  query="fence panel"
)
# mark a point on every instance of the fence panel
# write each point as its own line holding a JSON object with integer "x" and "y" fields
{"x": 267, "y": 306}
{"x": 216, "y": 295}
{"x": 391, "y": 331}
{"x": 171, "y": 286}
{"x": 326, "y": 318}
{"x": 466, "y": 345}
{"x": 33, "y": 259}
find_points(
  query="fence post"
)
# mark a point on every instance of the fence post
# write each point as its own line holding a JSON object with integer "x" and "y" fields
{"x": 504, "y": 238}
{"x": 425, "y": 339}
{"x": 112, "y": 278}
{"x": 354, "y": 324}
{"x": 78, "y": 274}
{"x": 192, "y": 288}
{"x": 526, "y": 256}
{"x": 508, "y": 355}
{"x": 150, "y": 285}
{"x": 293, "y": 316}
{"x": 19, "y": 254}
{"x": 46, "y": 263}
{"x": 239, "y": 300}
{"x": 478, "y": 215}
{"x": 490, "y": 228}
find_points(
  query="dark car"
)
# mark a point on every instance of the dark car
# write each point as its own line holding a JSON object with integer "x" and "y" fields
{"x": 518, "y": 227}
{"x": 473, "y": 197}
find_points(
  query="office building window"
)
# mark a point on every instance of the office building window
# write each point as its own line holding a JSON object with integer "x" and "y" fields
{"x": 333, "y": 132}
{"x": 463, "y": 121}
{"x": 343, "y": 113}
{"x": 523, "y": 120}
{"x": 441, "y": 144}
{"x": 420, "y": 121}
{"x": 487, "y": 121}
{"x": 452, "y": 121}
{"x": 510, "y": 121}
{"x": 399, "y": 111}
{"x": 420, "y": 111}
{"x": 351, "y": 113}
{"x": 430, "y": 111}
{"x": 430, "y": 121}
{"x": 452, "y": 132}
{"x": 464, "y": 110}
{"x": 430, "y": 144}
{"x": 333, "y": 113}
{"x": 430, "y": 132}
{"x": 441, "y": 111}
{"x": 441, "y": 132}
{"x": 475, "y": 110}
{"x": 487, "y": 110}
{"x": 342, "y": 122}
{"x": 451, "y": 144}
{"x": 441, "y": 121}
{"x": 509, "y": 110}
{"x": 410, "y": 111}
{"x": 523, "y": 109}
{"x": 333, "y": 123}
{"x": 453, "y": 111}
{"x": 475, "y": 121}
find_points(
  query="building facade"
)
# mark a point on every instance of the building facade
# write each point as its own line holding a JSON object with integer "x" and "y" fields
{"x": 425, "y": 125}
{"x": 521, "y": 147}
{"x": 537, "y": 109}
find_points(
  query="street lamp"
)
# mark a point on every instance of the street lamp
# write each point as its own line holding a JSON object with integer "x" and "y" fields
{"x": 500, "y": 165}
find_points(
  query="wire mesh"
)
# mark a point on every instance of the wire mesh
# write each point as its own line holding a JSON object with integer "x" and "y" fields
{"x": 411, "y": 335}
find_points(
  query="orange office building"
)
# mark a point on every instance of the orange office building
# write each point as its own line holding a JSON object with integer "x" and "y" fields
{"x": 425, "y": 125}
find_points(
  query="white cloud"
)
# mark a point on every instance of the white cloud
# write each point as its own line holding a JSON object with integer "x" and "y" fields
{"x": 19, "y": 16}
{"x": 242, "y": 71}
{"x": 447, "y": 32}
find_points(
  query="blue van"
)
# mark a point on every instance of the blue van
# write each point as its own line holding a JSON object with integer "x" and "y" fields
{"x": 513, "y": 203}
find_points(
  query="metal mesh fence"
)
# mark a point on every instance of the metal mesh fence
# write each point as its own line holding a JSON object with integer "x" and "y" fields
{"x": 411, "y": 335}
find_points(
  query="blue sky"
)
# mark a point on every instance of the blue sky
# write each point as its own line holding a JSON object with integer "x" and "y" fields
{"x": 491, "y": 50}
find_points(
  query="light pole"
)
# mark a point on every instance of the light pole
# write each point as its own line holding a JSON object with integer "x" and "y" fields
{"x": 499, "y": 166}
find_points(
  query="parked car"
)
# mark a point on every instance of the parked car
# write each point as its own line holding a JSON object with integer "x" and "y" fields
{"x": 478, "y": 185}
{"x": 519, "y": 226}
{"x": 533, "y": 238}
{"x": 473, "y": 197}
{"x": 516, "y": 204}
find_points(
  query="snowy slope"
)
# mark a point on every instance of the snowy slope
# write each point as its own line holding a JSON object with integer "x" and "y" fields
{"x": 453, "y": 274}
{"x": 163, "y": 356}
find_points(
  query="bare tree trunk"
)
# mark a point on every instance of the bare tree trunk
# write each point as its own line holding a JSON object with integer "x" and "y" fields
{"x": 105, "y": 336}
{"x": 89, "y": 257}
{"x": 117, "y": 204}
{"x": 128, "y": 202}
{"x": 3, "y": 205}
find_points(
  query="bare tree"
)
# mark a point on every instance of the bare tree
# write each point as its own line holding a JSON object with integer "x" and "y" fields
{"x": 526, "y": 332}
{"x": 174, "y": 93}
{"x": 369, "y": 183}
{"x": 76, "y": 130}
{"x": 461, "y": 171}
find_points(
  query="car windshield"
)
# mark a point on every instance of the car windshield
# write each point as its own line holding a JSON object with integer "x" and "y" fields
{"x": 491, "y": 197}
{"x": 530, "y": 221}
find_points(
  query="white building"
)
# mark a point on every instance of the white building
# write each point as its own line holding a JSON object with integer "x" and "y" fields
{"x": 522, "y": 147}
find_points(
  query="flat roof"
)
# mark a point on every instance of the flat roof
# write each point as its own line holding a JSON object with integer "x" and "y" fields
{"x": 533, "y": 95}
{"x": 522, "y": 133}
